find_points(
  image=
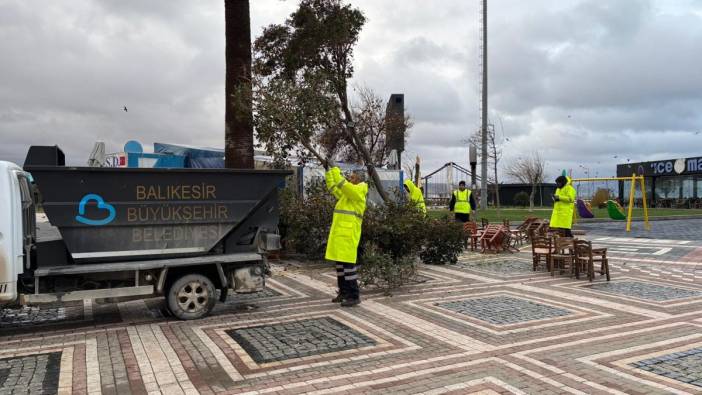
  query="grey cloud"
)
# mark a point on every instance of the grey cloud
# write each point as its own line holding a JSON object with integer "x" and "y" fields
{"x": 580, "y": 80}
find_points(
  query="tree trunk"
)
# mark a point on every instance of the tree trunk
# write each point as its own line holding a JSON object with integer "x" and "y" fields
{"x": 238, "y": 118}
{"x": 497, "y": 191}
{"x": 531, "y": 197}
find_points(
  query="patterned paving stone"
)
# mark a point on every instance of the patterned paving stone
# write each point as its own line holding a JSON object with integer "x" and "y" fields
{"x": 504, "y": 310}
{"x": 279, "y": 342}
{"x": 503, "y": 267}
{"x": 266, "y": 293}
{"x": 648, "y": 291}
{"x": 32, "y": 374}
{"x": 679, "y": 229}
{"x": 14, "y": 317}
{"x": 682, "y": 366}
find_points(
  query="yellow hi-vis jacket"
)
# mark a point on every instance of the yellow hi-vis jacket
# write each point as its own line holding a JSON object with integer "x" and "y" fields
{"x": 562, "y": 216}
{"x": 462, "y": 205}
{"x": 416, "y": 195}
{"x": 345, "y": 232}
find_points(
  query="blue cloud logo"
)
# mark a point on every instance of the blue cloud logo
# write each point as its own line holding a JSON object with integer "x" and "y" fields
{"x": 100, "y": 205}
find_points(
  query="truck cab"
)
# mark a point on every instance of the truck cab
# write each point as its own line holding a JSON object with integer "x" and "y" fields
{"x": 17, "y": 227}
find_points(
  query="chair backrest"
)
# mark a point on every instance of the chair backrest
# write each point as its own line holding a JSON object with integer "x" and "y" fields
{"x": 562, "y": 243}
{"x": 470, "y": 227}
{"x": 541, "y": 242}
{"x": 505, "y": 223}
{"x": 582, "y": 248}
{"x": 484, "y": 222}
{"x": 524, "y": 225}
{"x": 536, "y": 228}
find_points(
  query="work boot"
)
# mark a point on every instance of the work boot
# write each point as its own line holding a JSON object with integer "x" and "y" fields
{"x": 350, "y": 302}
{"x": 338, "y": 299}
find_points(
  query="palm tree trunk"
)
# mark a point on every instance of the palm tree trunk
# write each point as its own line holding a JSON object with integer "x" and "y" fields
{"x": 238, "y": 119}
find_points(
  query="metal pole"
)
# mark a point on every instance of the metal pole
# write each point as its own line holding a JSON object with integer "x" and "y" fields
{"x": 632, "y": 191}
{"x": 645, "y": 206}
{"x": 473, "y": 159}
{"x": 484, "y": 164}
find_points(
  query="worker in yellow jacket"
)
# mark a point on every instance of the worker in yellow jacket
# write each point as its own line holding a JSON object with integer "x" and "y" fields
{"x": 462, "y": 203}
{"x": 415, "y": 195}
{"x": 563, "y": 205}
{"x": 345, "y": 233}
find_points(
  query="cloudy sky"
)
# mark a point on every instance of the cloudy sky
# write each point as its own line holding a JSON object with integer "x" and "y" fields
{"x": 582, "y": 81}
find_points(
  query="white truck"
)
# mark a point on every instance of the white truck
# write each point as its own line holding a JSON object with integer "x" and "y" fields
{"x": 180, "y": 233}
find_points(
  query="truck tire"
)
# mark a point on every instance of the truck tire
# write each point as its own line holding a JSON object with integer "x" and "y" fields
{"x": 191, "y": 297}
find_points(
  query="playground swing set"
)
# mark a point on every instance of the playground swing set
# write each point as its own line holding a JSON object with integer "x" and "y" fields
{"x": 614, "y": 209}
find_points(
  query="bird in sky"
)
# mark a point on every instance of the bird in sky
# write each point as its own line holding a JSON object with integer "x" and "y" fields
{"x": 615, "y": 156}
{"x": 507, "y": 138}
{"x": 125, "y": 109}
{"x": 568, "y": 116}
{"x": 696, "y": 133}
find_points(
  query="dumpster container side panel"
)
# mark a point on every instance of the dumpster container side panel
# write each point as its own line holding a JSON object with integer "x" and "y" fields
{"x": 140, "y": 213}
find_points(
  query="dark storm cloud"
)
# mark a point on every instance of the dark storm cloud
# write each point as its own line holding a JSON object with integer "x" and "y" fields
{"x": 581, "y": 80}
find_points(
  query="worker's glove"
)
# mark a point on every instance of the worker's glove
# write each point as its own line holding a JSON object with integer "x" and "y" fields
{"x": 556, "y": 198}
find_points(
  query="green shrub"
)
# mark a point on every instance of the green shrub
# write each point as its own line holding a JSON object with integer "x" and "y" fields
{"x": 381, "y": 270}
{"x": 521, "y": 199}
{"x": 305, "y": 221}
{"x": 444, "y": 241}
{"x": 393, "y": 235}
{"x": 395, "y": 228}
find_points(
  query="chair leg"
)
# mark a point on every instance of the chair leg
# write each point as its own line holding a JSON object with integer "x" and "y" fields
{"x": 606, "y": 265}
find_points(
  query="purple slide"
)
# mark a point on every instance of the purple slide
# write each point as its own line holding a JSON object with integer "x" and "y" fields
{"x": 583, "y": 210}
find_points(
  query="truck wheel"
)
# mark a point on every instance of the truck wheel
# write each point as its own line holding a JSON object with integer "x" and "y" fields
{"x": 191, "y": 297}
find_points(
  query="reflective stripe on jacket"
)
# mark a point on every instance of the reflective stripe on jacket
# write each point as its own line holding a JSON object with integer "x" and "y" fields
{"x": 462, "y": 205}
{"x": 345, "y": 232}
{"x": 416, "y": 195}
{"x": 562, "y": 216}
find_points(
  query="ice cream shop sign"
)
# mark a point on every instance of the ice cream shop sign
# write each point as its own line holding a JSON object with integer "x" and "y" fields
{"x": 669, "y": 167}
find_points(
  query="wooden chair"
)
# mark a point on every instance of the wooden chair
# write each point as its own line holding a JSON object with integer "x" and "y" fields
{"x": 538, "y": 227}
{"x": 519, "y": 233}
{"x": 471, "y": 228}
{"x": 512, "y": 239}
{"x": 599, "y": 255}
{"x": 586, "y": 258}
{"x": 491, "y": 238}
{"x": 541, "y": 250}
{"x": 563, "y": 257}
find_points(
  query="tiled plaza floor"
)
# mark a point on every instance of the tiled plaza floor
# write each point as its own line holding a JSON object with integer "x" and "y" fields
{"x": 486, "y": 325}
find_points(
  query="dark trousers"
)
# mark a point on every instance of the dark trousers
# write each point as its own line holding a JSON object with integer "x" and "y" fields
{"x": 462, "y": 217}
{"x": 347, "y": 280}
{"x": 565, "y": 232}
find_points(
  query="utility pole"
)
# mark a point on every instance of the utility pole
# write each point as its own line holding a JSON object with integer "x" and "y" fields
{"x": 484, "y": 116}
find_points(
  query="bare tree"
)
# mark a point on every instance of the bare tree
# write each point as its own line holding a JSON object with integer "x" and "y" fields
{"x": 528, "y": 170}
{"x": 494, "y": 157}
{"x": 411, "y": 167}
{"x": 373, "y": 124}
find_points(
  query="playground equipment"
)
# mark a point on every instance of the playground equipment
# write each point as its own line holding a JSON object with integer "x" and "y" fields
{"x": 600, "y": 198}
{"x": 584, "y": 209}
{"x": 615, "y": 210}
{"x": 634, "y": 178}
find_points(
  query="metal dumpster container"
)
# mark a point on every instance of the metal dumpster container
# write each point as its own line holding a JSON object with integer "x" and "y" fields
{"x": 131, "y": 214}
